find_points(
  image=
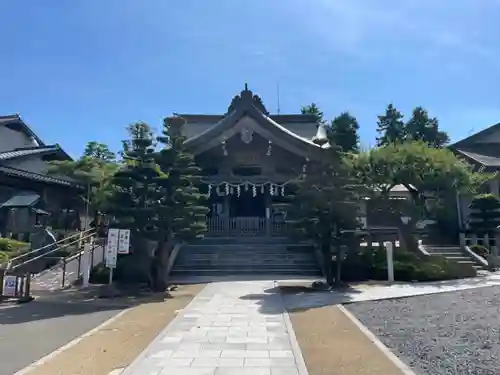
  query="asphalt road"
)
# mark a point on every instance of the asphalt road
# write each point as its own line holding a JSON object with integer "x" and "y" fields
{"x": 33, "y": 330}
{"x": 30, "y": 331}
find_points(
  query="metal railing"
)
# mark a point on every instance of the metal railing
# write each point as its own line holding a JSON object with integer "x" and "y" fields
{"x": 68, "y": 270}
{"x": 76, "y": 239}
{"x": 43, "y": 269}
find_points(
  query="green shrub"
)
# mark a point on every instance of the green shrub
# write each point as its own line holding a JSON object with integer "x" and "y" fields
{"x": 4, "y": 257}
{"x": 371, "y": 264}
{"x": 10, "y": 245}
{"x": 480, "y": 250}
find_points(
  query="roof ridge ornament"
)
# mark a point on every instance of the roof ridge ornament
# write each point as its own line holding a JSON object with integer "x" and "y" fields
{"x": 247, "y": 97}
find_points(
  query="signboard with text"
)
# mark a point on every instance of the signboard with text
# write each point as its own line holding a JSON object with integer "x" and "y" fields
{"x": 9, "y": 286}
{"x": 112, "y": 247}
{"x": 124, "y": 241}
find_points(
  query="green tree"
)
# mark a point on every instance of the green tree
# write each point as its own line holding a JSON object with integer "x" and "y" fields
{"x": 99, "y": 151}
{"x": 313, "y": 109}
{"x": 421, "y": 127}
{"x": 344, "y": 132}
{"x": 390, "y": 127}
{"x": 485, "y": 214}
{"x": 180, "y": 208}
{"x": 425, "y": 171}
{"x": 326, "y": 203}
{"x": 92, "y": 171}
{"x": 132, "y": 203}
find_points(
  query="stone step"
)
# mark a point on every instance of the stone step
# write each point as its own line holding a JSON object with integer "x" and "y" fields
{"x": 216, "y": 257}
{"x": 250, "y": 271}
{"x": 243, "y": 248}
{"x": 243, "y": 239}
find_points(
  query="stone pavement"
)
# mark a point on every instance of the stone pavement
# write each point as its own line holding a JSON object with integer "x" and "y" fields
{"x": 230, "y": 328}
{"x": 380, "y": 290}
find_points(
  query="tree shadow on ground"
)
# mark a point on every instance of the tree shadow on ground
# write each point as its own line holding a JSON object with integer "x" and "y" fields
{"x": 63, "y": 303}
{"x": 301, "y": 296}
{"x": 298, "y": 296}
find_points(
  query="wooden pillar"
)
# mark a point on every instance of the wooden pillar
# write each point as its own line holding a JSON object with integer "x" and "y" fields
{"x": 267, "y": 199}
{"x": 226, "y": 215}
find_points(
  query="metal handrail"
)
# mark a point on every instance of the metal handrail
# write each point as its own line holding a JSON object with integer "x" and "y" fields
{"x": 10, "y": 267}
{"x": 84, "y": 233}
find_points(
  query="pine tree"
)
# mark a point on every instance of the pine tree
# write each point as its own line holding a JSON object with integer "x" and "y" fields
{"x": 344, "y": 132}
{"x": 180, "y": 207}
{"x": 131, "y": 201}
{"x": 390, "y": 127}
{"x": 326, "y": 203}
{"x": 420, "y": 127}
{"x": 313, "y": 109}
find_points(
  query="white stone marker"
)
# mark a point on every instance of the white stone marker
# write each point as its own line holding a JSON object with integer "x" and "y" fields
{"x": 390, "y": 261}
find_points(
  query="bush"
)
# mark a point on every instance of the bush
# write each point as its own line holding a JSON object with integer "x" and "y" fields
{"x": 480, "y": 250}
{"x": 4, "y": 257}
{"x": 9, "y": 245}
{"x": 371, "y": 264}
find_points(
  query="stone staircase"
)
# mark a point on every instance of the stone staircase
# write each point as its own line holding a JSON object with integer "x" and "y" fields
{"x": 454, "y": 253}
{"x": 245, "y": 256}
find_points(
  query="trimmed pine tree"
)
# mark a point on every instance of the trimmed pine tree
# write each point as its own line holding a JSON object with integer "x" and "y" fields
{"x": 180, "y": 207}
{"x": 326, "y": 203}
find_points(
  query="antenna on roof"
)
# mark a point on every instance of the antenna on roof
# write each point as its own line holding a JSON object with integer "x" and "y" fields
{"x": 278, "y": 96}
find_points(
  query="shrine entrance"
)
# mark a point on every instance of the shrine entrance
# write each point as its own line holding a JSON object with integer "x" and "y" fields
{"x": 247, "y": 205}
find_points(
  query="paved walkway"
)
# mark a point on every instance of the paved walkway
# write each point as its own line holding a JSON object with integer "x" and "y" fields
{"x": 52, "y": 279}
{"x": 230, "y": 328}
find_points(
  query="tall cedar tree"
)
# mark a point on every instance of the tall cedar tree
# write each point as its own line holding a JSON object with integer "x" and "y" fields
{"x": 326, "y": 202}
{"x": 344, "y": 132}
{"x": 421, "y": 127}
{"x": 131, "y": 204}
{"x": 181, "y": 209}
{"x": 390, "y": 127}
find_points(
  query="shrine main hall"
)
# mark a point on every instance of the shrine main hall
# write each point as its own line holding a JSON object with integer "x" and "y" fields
{"x": 248, "y": 157}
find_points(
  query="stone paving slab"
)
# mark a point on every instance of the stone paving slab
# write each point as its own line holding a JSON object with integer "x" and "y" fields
{"x": 231, "y": 328}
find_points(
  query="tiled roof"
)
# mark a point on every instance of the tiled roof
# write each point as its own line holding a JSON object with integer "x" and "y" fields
{"x": 22, "y": 199}
{"x": 6, "y": 155}
{"x": 487, "y": 161}
{"x": 35, "y": 176}
{"x": 16, "y": 121}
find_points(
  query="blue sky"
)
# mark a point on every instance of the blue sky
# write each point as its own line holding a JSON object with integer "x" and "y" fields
{"x": 82, "y": 70}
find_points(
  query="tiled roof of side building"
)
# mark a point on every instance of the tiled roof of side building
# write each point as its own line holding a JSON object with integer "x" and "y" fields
{"x": 486, "y": 160}
{"x": 16, "y": 153}
{"x": 37, "y": 177}
{"x": 16, "y": 122}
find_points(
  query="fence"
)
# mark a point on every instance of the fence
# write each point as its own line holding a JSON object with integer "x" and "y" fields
{"x": 486, "y": 240}
{"x": 68, "y": 270}
{"x": 246, "y": 226}
{"x": 45, "y": 269}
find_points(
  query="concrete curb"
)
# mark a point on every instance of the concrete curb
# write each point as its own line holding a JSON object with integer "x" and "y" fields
{"x": 390, "y": 355}
{"x": 72, "y": 343}
{"x": 297, "y": 353}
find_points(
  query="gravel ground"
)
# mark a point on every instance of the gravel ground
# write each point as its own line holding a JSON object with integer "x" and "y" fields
{"x": 444, "y": 333}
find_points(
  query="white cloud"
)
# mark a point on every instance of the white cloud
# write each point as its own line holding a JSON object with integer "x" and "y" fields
{"x": 360, "y": 27}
